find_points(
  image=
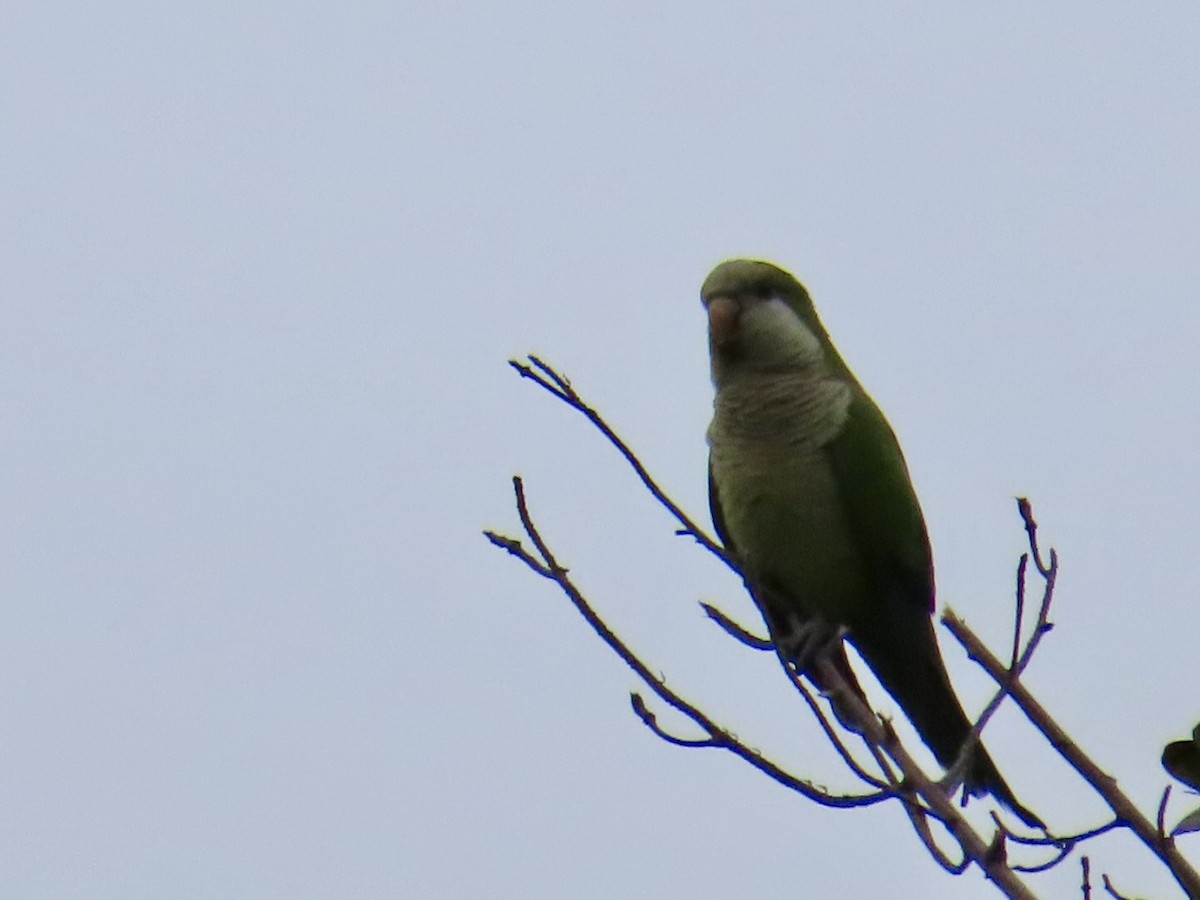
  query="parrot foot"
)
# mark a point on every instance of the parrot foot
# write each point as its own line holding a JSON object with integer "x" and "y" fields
{"x": 813, "y": 647}
{"x": 802, "y": 641}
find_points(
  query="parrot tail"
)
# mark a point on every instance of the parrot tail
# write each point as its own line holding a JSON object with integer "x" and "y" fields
{"x": 902, "y": 651}
{"x": 984, "y": 778}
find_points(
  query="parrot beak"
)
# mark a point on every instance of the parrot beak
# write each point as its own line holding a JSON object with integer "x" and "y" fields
{"x": 723, "y": 313}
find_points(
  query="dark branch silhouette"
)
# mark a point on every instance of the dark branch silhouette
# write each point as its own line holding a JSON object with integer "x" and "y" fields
{"x": 897, "y": 777}
{"x": 544, "y": 563}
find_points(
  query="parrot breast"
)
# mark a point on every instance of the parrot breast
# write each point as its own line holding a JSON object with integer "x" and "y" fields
{"x": 778, "y": 491}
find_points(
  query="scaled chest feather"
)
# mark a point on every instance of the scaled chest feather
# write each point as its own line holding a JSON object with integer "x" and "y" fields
{"x": 778, "y": 491}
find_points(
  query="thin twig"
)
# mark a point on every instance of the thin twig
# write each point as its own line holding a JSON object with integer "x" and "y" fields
{"x": 1021, "y": 658}
{"x": 1057, "y": 840}
{"x": 651, "y": 721}
{"x": 1105, "y": 785}
{"x": 1063, "y": 845}
{"x": 990, "y": 857}
{"x": 916, "y": 782}
{"x": 884, "y": 787}
{"x": 734, "y": 630}
{"x": 549, "y": 567}
{"x": 1162, "y": 813}
{"x": 1026, "y": 510}
{"x": 1022, "y": 564}
{"x": 544, "y": 375}
{"x": 1112, "y": 891}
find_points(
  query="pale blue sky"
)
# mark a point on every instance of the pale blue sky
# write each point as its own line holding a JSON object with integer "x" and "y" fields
{"x": 260, "y": 268}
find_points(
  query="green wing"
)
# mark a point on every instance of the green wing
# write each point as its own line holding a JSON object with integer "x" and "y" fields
{"x": 881, "y": 505}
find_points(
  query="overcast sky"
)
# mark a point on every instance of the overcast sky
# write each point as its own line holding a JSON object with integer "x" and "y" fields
{"x": 261, "y": 266}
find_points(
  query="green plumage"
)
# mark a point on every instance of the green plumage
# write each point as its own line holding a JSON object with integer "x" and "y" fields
{"x": 810, "y": 490}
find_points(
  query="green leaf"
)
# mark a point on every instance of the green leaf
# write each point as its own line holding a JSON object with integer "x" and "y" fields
{"x": 1182, "y": 760}
{"x": 1190, "y": 822}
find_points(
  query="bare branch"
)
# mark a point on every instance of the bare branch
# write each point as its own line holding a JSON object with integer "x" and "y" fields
{"x": 514, "y": 548}
{"x": 1021, "y": 657}
{"x": 989, "y": 857}
{"x": 1112, "y": 891}
{"x": 651, "y": 721}
{"x": 544, "y": 375}
{"x": 1026, "y": 510}
{"x": 1063, "y": 845}
{"x": 901, "y": 779}
{"x": 549, "y": 567}
{"x": 1126, "y": 812}
{"x": 1022, "y": 565}
{"x": 734, "y": 630}
{"x": 885, "y": 788}
{"x": 993, "y": 866}
{"x": 1162, "y": 812}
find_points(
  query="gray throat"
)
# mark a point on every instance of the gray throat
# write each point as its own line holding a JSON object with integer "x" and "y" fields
{"x": 800, "y": 409}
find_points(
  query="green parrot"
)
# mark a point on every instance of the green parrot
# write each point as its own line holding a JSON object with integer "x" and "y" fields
{"x": 811, "y": 494}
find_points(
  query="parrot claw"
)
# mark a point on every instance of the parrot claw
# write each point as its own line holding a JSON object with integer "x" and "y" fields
{"x": 802, "y": 642}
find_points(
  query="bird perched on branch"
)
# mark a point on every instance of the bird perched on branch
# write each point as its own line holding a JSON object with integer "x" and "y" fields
{"x": 810, "y": 492}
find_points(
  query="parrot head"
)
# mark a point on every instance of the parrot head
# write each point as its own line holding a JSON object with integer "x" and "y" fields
{"x": 760, "y": 319}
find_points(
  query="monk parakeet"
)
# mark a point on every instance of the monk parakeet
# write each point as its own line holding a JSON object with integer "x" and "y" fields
{"x": 811, "y": 494}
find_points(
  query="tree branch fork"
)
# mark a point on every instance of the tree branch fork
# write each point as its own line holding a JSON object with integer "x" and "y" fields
{"x": 891, "y": 775}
